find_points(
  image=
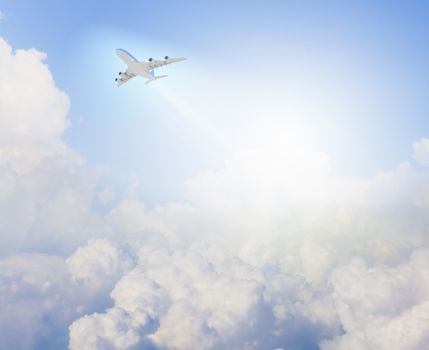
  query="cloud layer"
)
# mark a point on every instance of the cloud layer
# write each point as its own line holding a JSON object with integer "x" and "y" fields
{"x": 270, "y": 252}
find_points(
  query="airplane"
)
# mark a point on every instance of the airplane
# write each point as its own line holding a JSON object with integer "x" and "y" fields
{"x": 143, "y": 69}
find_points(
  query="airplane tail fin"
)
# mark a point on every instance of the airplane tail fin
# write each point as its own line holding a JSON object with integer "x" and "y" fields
{"x": 155, "y": 78}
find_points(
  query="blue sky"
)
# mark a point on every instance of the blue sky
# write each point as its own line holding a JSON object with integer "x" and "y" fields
{"x": 350, "y": 78}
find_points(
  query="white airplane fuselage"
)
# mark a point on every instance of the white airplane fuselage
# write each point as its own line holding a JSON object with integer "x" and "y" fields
{"x": 140, "y": 68}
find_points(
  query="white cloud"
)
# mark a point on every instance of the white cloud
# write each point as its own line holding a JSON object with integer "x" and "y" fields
{"x": 178, "y": 300}
{"x": 35, "y": 301}
{"x": 421, "y": 152}
{"x": 112, "y": 330}
{"x": 45, "y": 193}
{"x": 254, "y": 261}
{"x": 381, "y": 307}
{"x": 270, "y": 252}
{"x": 98, "y": 264}
{"x": 33, "y": 112}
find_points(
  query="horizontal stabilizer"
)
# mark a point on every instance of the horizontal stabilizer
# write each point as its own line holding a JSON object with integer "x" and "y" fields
{"x": 155, "y": 78}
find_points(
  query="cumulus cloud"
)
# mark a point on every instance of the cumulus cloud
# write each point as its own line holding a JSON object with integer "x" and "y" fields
{"x": 268, "y": 255}
{"x": 46, "y": 192}
{"x": 383, "y": 307}
{"x": 32, "y": 115}
{"x": 31, "y": 287}
{"x": 96, "y": 263}
{"x": 270, "y": 252}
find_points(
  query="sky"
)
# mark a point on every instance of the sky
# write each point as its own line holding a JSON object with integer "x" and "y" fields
{"x": 271, "y": 193}
{"x": 349, "y": 78}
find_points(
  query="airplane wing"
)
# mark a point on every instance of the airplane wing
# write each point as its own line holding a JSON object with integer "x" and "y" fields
{"x": 167, "y": 60}
{"x": 125, "y": 56}
{"x": 124, "y": 77}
